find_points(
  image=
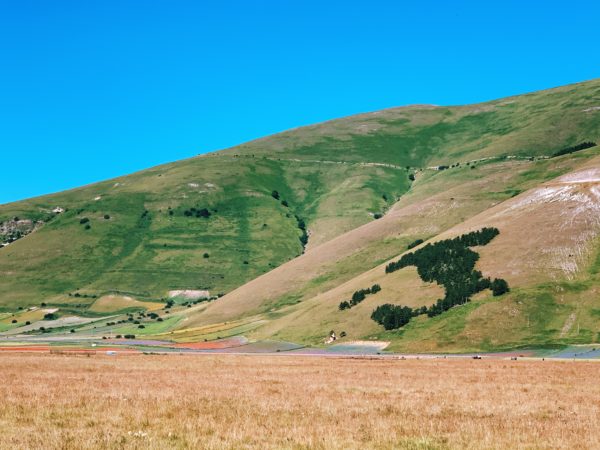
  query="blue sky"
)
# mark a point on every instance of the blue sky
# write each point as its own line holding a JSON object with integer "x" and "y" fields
{"x": 95, "y": 89}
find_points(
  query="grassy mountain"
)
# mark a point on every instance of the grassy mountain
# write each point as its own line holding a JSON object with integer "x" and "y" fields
{"x": 214, "y": 222}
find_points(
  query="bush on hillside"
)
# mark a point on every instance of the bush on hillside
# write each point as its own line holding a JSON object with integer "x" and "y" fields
{"x": 414, "y": 243}
{"x": 344, "y": 305}
{"x": 499, "y": 287}
{"x": 574, "y": 148}
{"x": 392, "y": 316}
{"x": 195, "y": 212}
{"x": 359, "y": 296}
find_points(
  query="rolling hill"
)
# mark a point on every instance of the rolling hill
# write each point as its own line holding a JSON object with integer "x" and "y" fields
{"x": 284, "y": 228}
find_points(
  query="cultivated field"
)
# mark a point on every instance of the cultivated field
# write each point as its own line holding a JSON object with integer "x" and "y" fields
{"x": 146, "y": 401}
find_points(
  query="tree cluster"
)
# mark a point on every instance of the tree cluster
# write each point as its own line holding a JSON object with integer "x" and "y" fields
{"x": 392, "y": 316}
{"x": 301, "y": 224}
{"x": 302, "y": 227}
{"x": 359, "y": 296}
{"x": 450, "y": 263}
{"x": 574, "y": 148}
{"x": 195, "y": 212}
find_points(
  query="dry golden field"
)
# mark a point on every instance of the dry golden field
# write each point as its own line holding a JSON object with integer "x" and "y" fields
{"x": 227, "y": 401}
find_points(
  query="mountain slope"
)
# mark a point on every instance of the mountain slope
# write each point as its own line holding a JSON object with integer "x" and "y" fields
{"x": 546, "y": 250}
{"x": 144, "y": 254}
{"x": 234, "y": 222}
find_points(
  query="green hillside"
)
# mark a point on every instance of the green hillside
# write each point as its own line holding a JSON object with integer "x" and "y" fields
{"x": 137, "y": 238}
{"x": 357, "y": 190}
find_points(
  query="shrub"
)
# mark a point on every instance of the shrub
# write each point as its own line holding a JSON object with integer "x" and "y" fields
{"x": 14, "y": 321}
{"x": 141, "y": 326}
{"x": 413, "y": 244}
{"x": 84, "y": 220}
{"x": 375, "y": 289}
{"x": 284, "y": 203}
{"x": 206, "y": 255}
{"x": 28, "y": 323}
{"x": 377, "y": 215}
{"x": 106, "y": 217}
{"x": 72, "y": 330}
{"x": 129, "y": 336}
{"x": 203, "y": 212}
{"x": 499, "y": 287}
{"x": 87, "y": 226}
{"x": 343, "y": 334}
{"x": 358, "y": 296}
{"x": 275, "y": 195}
{"x": 411, "y": 177}
{"x": 304, "y": 238}
{"x": 574, "y": 148}
{"x": 344, "y": 305}
{"x": 50, "y": 316}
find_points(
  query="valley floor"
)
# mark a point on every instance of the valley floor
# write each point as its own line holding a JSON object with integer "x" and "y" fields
{"x": 232, "y": 401}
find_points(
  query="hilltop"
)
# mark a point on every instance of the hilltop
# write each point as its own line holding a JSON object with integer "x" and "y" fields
{"x": 270, "y": 236}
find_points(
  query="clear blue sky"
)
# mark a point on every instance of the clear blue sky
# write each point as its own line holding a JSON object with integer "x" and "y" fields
{"x": 95, "y": 89}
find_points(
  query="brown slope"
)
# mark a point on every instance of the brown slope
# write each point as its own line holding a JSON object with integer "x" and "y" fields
{"x": 546, "y": 234}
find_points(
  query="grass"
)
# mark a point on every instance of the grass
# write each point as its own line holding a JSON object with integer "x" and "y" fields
{"x": 150, "y": 328}
{"x": 282, "y": 402}
{"x": 113, "y": 303}
{"x": 148, "y": 254}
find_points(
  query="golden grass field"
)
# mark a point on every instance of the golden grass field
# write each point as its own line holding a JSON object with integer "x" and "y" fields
{"x": 227, "y": 401}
